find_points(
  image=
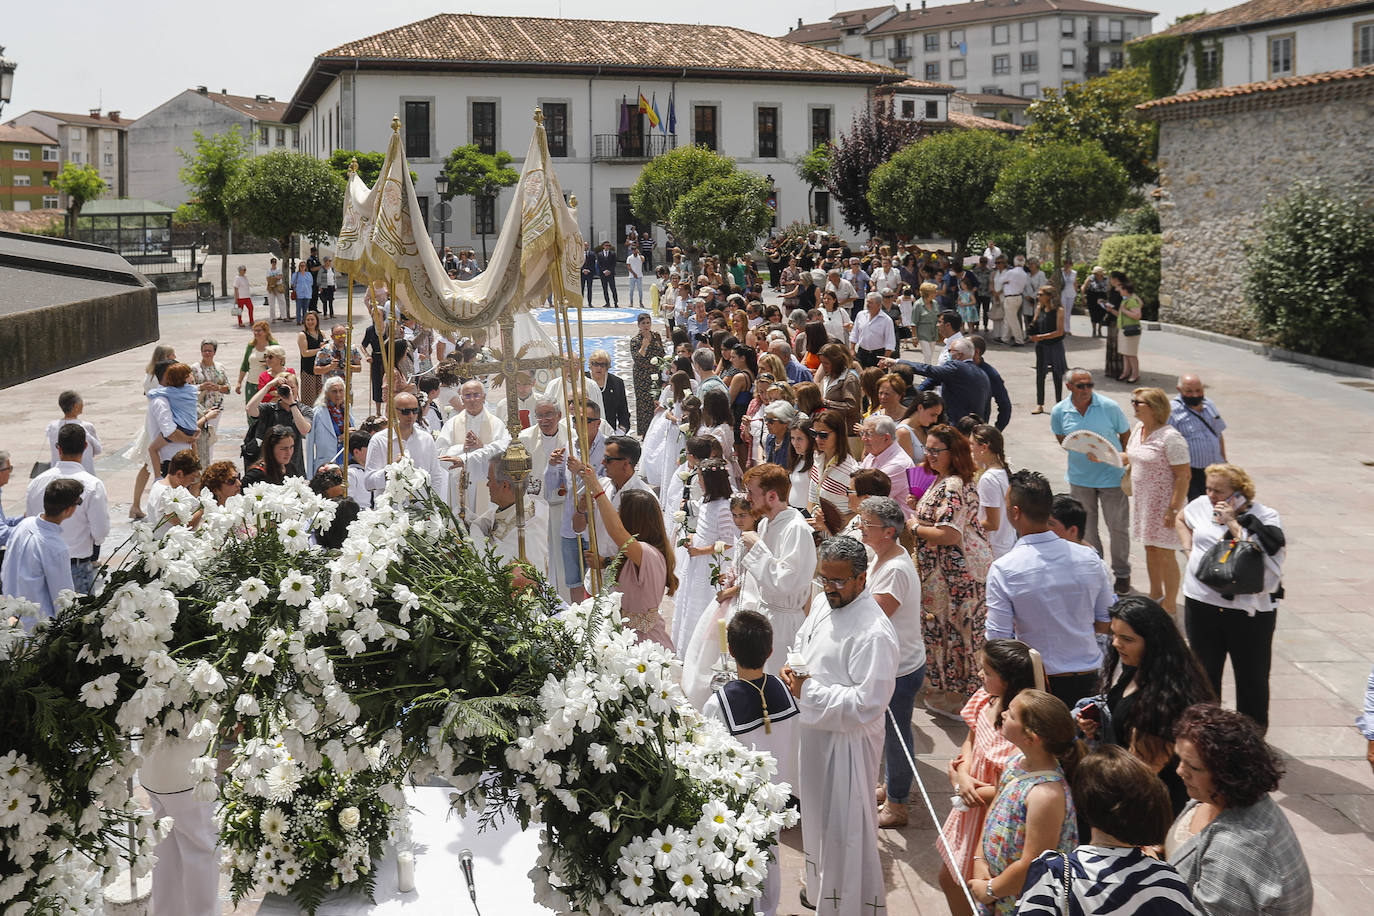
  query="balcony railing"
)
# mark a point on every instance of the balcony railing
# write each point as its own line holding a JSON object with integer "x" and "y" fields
{"x": 632, "y": 146}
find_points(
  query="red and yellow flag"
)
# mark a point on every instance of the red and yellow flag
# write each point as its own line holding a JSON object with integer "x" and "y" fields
{"x": 646, "y": 109}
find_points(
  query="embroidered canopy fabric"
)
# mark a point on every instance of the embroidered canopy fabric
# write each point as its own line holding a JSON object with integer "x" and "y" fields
{"x": 539, "y": 250}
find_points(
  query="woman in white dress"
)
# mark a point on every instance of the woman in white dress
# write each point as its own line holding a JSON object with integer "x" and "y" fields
{"x": 719, "y": 423}
{"x": 713, "y": 525}
{"x": 703, "y": 648}
{"x": 663, "y": 440}
{"x": 990, "y": 455}
{"x": 138, "y": 451}
{"x": 803, "y": 456}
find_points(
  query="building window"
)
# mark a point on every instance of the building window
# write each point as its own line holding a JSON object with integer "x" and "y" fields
{"x": 958, "y": 69}
{"x": 1066, "y": 26}
{"x": 991, "y": 90}
{"x": 1030, "y": 31}
{"x": 1001, "y": 34}
{"x": 50, "y": 202}
{"x": 932, "y": 110}
{"x": 1116, "y": 60}
{"x": 296, "y": 139}
{"x": 908, "y": 109}
{"x": 76, "y": 157}
{"x": 1281, "y": 55}
{"x": 704, "y": 131}
{"x": 1209, "y": 66}
{"x": 876, "y": 48}
{"x": 484, "y": 127}
{"x": 51, "y": 154}
{"x": 956, "y": 37}
{"x": 933, "y": 70}
{"x": 1030, "y": 61}
{"x": 899, "y": 49}
{"x": 1001, "y": 63}
{"x": 556, "y": 127}
{"x": 484, "y": 215}
{"x": 1364, "y": 43}
{"x": 1068, "y": 58}
{"x": 932, "y": 41}
{"x": 77, "y": 134}
{"x": 22, "y": 181}
{"x": 1030, "y": 90}
{"x": 423, "y": 201}
{"x": 281, "y": 136}
{"x": 820, "y": 127}
{"x": 820, "y": 203}
{"x": 1114, "y": 30}
{"x": 416, "y": 129}
{"x": 109, "y": 158}
{"x": 22, "y": 155}
{"x": 264, "y": 136}
{"x": 768, "y": 133}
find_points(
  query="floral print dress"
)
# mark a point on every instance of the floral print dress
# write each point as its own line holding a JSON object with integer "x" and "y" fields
{"x": 1004, "y": 837}
{"x": 991, "y": 751}
{"x": 953, "y": 586}
{"x": 646, "y": 377}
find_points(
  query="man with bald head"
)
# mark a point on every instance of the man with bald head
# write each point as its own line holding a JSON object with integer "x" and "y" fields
{"x": 471, "y": 439}
{"x": 1195, "y": 416}
{"x": 417, "y": 445}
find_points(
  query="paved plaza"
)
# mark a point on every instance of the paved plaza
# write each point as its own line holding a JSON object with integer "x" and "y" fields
{"x": 1306, "y": 436}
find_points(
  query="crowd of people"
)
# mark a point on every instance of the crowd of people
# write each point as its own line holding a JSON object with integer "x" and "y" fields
{"x": 823, "y": 488}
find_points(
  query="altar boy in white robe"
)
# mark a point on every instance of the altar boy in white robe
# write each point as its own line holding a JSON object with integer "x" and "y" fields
{"x": 471, "y": 439}
{"x": 525, "y": 397}
{"x": 499, "y": 523}
{"x": 842, "y": 669}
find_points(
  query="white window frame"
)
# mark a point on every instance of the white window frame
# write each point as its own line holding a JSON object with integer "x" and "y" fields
{"x": 958, "y": 69}
{"x": 1030, "y": 30}
{"x": 1006, "y": 34}
{"x": 52, "y": 154}
{"x": 1067, "y": 27}
{"x": 1068, "y": 59}
{"x": 109, "y": 159}
{"x": 1271, "y": 42}
{"x": 956, "y": 38}
{"x": 23, "y": 155}
{"x": 75, "y": 156}
{"x": 51, "y": 202}
{"x": 23, "y": 181}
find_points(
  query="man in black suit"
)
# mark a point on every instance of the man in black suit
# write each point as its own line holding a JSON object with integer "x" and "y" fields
{"x": 617, "y": 412}
{"x": 605, "y": 267}
{"x": 962, "y": 384}
{"x": 589, "y": 273}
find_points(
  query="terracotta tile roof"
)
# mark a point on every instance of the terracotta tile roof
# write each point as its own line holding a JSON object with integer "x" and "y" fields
{"x": 577, "y": 43}
{"x": 833, "y": 28}
{"x": 990, "y": 98}
{"x": 919, "y": 85}
{"x": 248, "y": 105}
{"x": 1247, "y": 89}
{"x": 15, "y": 133}
{"x": 956, "y": 14}
{"x": 974, "y": 122}
{"x": 86, "y": 120}
{"x": 1258, "y": 11}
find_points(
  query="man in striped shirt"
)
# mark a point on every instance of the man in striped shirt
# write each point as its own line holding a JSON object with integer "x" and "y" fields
{"x": 1194, "y": 415}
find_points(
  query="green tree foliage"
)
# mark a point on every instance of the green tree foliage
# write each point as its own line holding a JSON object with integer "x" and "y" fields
{"x": 1101, "y": 110}
{"x": 1327, "y": 311}
{"x": 724, "y": 215}
{"x": 1055, "y": 187}
{"x": 207, "y": 174}
{"x": 369, "y": 165}
{"x": 665, "y": 179}
{"x": 481, "y": 176}
{"x": 80, "y": 183}
{"x": 283, "y": 193}
{"x": 1139, "y": 220}
{"x": 940, "y": 186}
{"x": 874, "y": 136}
{"x": 1136, "y": 256}
{"x": 1164, "y": 58}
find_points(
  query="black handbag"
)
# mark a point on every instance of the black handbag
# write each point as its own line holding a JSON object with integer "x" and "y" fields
{"x": 1130, "y": 330}
{"x": 1232, "y": 567}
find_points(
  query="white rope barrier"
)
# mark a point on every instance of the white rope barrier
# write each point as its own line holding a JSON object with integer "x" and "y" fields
{"x": 935, "y": 819}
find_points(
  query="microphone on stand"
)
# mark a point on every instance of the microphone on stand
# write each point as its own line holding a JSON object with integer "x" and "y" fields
{"x": 465, "y": 862}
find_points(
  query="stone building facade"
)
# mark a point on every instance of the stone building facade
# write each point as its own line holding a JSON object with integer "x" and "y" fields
{"x": 1223, "y": 153}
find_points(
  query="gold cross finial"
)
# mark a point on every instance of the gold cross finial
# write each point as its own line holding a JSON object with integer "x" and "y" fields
{"x": 396, "y": 124}
{"x": 353, "y": 166}
{"x": 538, "y": 115}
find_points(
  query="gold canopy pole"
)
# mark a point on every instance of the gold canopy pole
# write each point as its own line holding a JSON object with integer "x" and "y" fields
{"x": 395, "y": 334}
{"x": 348, "y": 363}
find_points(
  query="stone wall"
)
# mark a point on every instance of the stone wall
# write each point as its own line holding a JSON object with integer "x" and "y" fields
{"x": 1220, "y": 161}
{"x": 1082, "y": 244}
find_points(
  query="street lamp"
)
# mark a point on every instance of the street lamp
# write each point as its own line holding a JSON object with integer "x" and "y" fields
{"x": 441, "y": 186}
{"x": 7, "y": 68}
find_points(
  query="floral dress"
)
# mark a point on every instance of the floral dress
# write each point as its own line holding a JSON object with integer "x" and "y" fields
{"x": 1152, "y": 483}
{"x": 953, "y": 586}
{"x": 646, "y": 379}
{"x": 1004, "y": 838}
{"x": 964, "y": 829}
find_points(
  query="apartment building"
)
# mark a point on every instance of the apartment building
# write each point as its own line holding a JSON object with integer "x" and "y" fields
{"x": 28, "y": 164}
{"x": 96, "y": 139}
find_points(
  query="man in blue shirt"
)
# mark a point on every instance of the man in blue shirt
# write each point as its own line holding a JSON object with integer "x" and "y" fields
{"x": 1194, "y": 415}
{"x": 37, "y": 562}
{"x": 6, "y": 523}
{"x": 1094, "y": 483}
{"x": 1050, "y": 593}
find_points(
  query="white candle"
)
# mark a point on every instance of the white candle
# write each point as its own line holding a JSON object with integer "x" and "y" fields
{"x": 405, "y": 871}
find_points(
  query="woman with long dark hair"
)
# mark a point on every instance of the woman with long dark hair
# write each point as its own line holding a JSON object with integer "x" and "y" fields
{"x": 744, "y": 368}
{"x": 803, "y": 435}
{"x": 274, "y": 464}
{"x": 717, "y": 422}
{"x": 925, "y": 413}
{"x": 953, "y": 556}
{"x": 831, "y": 472}
{"x": 1150, "y": 678}
{"x": 816, "y": 339}
{"x": 713, "y": 525}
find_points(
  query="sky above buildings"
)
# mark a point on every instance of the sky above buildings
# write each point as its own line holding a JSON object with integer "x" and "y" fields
{"x": 131, "y": 56}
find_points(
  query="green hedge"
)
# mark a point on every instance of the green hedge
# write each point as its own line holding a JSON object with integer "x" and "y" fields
{"x": 1137, "y": 256}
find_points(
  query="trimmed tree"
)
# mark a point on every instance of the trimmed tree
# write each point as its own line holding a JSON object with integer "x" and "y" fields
{"x": 940, "y": 186}
{"x": 812, "y": 169}
{"x": 1057, "y": 187}
{"x": 724, "y": 215}
{"x": 1101, "y": 111}
{"x": 80, "y": 183}
{"x": 874, "y": 136}
{"x": 208, "y": 174}
{"x": 283, "y": 193}
{"x": 481, "y": 176}
{"x": 665, "y": 179}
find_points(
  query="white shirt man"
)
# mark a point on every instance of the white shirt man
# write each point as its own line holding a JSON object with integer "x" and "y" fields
{"x": 408, "y": 438}
{"x": 1016, "y": 290}
{"x": 501, "y": 525}
{"x": 992, "y": 253}
{"x": 779, "y": 561}
{"x": 37, "y": 563}
{"x": 887, "y": 277}
{"x": 873, "y": 329}
{"x": 92, "y": 442}
{"x": 844, "y": 291}
{"x": 87, "y": 527}
{"x": 471, "y": 439}
{"x": 849, "y": 654}
{"x": 618, "y": 461}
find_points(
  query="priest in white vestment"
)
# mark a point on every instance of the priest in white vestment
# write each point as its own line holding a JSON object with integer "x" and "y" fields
{"x": 525, "y": 398}
{"x": 561, "y": 389}
{"x": 842, "y": 670}
{"x": 499, "y": 523}
{"x": 471, "y": 439}
{"x": 548, "y": 434}
{"x": 416, "y": 443}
